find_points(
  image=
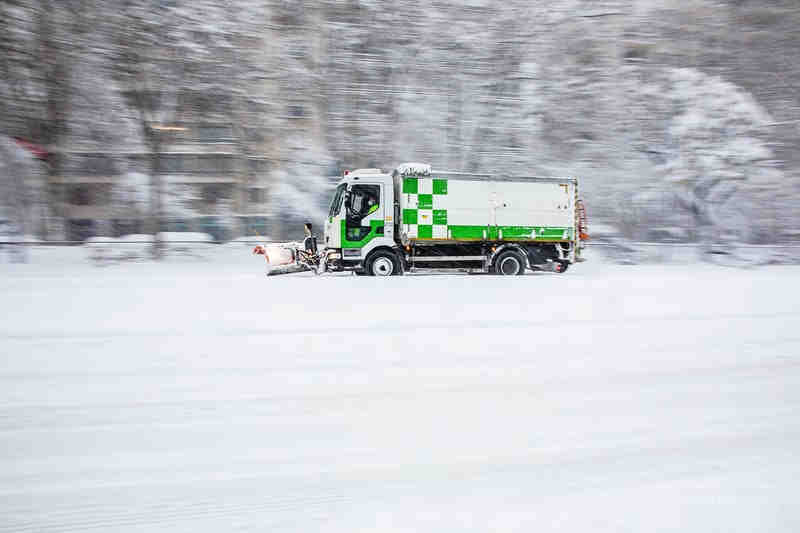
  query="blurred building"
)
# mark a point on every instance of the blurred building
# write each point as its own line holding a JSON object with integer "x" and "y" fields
{"x": 651, "y": 103}
{"x": 110, "y": 192}
{"x": 245, "y": 120}
{"x": 237, "y": 152}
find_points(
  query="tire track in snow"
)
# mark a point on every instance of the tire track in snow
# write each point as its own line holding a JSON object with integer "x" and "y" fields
{"x": 161, "y": 514}
{"x": 638, "y": 463}
{"x": 393, "y": 326}
{"x": 30, "y": 417}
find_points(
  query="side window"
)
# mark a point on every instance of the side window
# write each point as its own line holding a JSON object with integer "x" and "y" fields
{"x": 364, "y": 200}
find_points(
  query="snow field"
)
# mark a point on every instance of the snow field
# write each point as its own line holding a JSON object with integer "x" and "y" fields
{"x": 203, "y": 396}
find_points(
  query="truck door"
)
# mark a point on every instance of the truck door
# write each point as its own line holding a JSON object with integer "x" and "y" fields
{"x": 333, "y": 233}
{"x": 364, "y": 216}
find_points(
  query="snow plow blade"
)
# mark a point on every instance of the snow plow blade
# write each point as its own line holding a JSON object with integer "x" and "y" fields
{"x": 291, "y": 257}
{"x": 287, "y": 258}
{"x": 287, "y": 269}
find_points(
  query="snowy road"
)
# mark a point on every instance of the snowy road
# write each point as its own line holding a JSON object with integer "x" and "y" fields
{"x": 205, "y": 397}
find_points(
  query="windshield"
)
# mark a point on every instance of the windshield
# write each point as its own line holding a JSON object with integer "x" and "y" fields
{"x": 338, "y": 196}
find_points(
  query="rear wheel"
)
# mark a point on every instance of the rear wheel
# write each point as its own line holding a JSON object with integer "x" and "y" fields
{"x": 509, "y": 263}
{"x": 383, "y": 263}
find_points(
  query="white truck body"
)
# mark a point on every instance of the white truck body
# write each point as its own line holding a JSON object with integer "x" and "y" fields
{"x": 467, "y": 208}
{"x": 419, "y": 218}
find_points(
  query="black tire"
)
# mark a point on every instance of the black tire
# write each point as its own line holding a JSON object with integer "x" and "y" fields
{"x": 509, "y": 263}
{"x": 383, "y": 263}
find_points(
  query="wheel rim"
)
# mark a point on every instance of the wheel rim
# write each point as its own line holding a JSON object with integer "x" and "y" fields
{"x": 509, "y": 266}
{"x": 382, "y": 266}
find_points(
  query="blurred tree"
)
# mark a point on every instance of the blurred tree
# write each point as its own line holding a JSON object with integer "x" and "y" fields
{"x": 176, "y": 63}
{"x": 591, "y": 89}
{"x": 148, "y": 63}
{"x": 37, "y": 55}
{"x": 705, "y": 136}
{"x": 22, "y": 194}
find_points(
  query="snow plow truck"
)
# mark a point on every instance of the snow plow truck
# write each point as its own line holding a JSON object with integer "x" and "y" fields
{"x": 415, "y": 218}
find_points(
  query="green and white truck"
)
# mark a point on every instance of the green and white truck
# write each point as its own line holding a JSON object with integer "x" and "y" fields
{"x": 415, "y": 218}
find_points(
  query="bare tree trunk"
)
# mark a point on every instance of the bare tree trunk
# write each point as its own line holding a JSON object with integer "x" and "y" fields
{"x": 57, "y": 67}
{"x": 154, "y": 142}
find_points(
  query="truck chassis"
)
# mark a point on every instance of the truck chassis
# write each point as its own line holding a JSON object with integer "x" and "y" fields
{"x": 503, "y": 258}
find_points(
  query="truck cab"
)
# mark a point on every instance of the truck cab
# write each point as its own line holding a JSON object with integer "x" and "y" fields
{"x": 361, "y": 219}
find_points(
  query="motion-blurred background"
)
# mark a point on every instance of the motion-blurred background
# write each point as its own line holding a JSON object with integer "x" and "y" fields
{"x": 235, "y": 117}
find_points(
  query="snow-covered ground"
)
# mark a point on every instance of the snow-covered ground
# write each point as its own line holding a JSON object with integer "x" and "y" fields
{"x": 202, "y": 396}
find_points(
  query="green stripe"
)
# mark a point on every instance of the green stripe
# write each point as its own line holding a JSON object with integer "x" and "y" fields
{"x": 466, "y": 232}
{"x": 510, "y": 233}
{"x": 516, "y": 232}
{"x": 374, "y": 226}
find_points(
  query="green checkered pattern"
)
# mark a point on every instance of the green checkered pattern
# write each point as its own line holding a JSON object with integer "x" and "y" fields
{"x": 424, "y": 218}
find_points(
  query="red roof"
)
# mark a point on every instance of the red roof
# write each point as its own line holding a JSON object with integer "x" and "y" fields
{"x": 38, "y": 151}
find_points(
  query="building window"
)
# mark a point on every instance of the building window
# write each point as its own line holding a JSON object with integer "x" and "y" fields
{"x": 258, "y": 166}
{"x": 298, "y": 50}
{"x": 215, "y": 227}
{"x": 255, "y": 226}
{"x": 202, "y": 164}
{"x": 214, "y": 192}
{"x": 255, "y": 108}
{"x": 92, "y": 165}
{"x": 256, "y": 196}
{"x": 176, "y": 224}
{"x": 254, "y": 135}
{"x": 80, "y": 229}
{"x": 99, "y": 165}
{"x": 201, "y": 37}
{"x": 206, "y": 103}
{"x": 122, "y": 227}
{"x": 173, "y": 163}
{"x": 79, "y": 195}
{"x": 211, "y": 133}
{"x": 219, "y": 164}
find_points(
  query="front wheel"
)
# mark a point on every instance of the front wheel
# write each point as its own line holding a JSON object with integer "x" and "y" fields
{"x": 509, "y": 263}
{"x": 383, "y": 263}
